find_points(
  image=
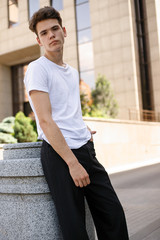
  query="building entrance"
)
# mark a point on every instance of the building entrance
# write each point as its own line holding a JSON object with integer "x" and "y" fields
{"x": 20, "y": 98}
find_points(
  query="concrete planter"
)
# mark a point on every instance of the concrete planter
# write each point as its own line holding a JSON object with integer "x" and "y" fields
{"x": 27, "y": 210}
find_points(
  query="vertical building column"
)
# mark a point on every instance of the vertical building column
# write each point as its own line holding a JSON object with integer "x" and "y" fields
{"x": 3, "y": 15}
{"x": 153, "y": 10}
{"x": 23, "y": 11}
{"x": 6, "y": 92}
{"x": 44, "y": 3}
{"x": 70, "y": 46}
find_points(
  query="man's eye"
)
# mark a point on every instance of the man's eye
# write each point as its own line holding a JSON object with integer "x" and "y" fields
{"x": 44, "y": 33}
{"x": 54, "y": 28}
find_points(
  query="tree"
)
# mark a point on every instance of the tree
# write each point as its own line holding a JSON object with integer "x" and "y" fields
{"x": 103, "y": 99}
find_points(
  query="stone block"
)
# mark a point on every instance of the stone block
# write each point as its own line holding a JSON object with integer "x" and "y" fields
{"x": 26, "y": 206}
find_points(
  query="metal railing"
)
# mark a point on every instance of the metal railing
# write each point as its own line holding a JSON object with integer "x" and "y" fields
{"x": 144, "y": 115}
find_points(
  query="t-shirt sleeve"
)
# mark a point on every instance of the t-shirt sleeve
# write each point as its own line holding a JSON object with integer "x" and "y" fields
{"x": 36, "y": 78}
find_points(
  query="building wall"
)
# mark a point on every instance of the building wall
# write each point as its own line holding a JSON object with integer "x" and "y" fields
{"x": 16, "y": 38}
{"x": 17, "y": 45}
{"x": 153, "y": 14}
{"x": 5, "y": 92}
{"x": 135, "y": 60}
{"x": 114, "y": 45}
{"x": 121, "y": 144}
{"x": 114, "y": 50}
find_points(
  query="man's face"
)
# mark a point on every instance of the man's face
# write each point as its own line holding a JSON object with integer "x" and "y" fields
{"x": 50, "y": 35}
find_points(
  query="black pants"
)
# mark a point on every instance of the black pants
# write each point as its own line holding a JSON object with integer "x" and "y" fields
{"x": 103, "y": 202}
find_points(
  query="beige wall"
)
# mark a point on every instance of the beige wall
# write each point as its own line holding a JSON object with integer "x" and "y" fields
{"x": 5, "y": 92}
{"x": 153, "y": 14}
{"x": 114, "y": 50}
{"x": 17, "y": 44}
{"x": 119, "y": 143}
{"x": 18, "y": 37}
{"x": 124, "y": 144}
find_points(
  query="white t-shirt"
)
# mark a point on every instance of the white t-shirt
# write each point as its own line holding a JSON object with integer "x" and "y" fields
{"x": 62, "y": 85}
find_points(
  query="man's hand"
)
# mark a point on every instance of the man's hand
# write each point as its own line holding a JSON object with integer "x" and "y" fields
{"x": 92, "y": 132}
{"x": 79, "y": 174}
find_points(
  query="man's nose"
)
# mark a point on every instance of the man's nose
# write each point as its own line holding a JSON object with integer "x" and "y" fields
{"x": 51, "y": 34}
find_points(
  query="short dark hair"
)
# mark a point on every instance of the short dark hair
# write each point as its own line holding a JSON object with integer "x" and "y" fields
{"x": 43, "y": 14}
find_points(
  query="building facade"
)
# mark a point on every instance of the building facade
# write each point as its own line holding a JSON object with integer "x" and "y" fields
{"x": 116, "y": 38}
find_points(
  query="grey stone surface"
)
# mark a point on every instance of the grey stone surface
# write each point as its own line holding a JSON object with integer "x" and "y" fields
{"x": 21, "y": 167}
{"x": 28, "y": 217}
{"x": 139, "y": 193}
{"x": 27, "y": 210}
{"x": 1, "y": 151}
{"x": 26, "y": 185}
{"x": 22, "y": 150}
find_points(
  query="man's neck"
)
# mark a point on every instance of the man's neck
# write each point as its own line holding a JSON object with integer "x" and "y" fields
{"x": 55, "y": 57}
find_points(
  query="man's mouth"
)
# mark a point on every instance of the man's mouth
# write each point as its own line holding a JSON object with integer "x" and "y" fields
{"x": 54, "y": 42}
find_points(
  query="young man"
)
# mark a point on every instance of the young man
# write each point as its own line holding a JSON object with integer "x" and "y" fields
{"x": 68, "y": 156}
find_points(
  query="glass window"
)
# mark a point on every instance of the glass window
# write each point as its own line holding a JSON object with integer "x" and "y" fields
{"x": 86, "y": 56}
{"x": 84, "y": 36}
{"x": 57, "y": 4}
{"x": 33, "y": 6}
{"x": 85, "y": 46}
{"x": 83, "y": 16}
{"x": 13, "y": 12}
{"x": 80, "y": 1}
{"x": 88, "y": 77}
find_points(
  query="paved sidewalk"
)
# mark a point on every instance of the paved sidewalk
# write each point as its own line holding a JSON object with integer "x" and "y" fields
{"x": 139, "y": 193}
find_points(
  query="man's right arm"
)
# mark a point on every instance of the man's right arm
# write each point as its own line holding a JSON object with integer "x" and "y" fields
{"x": 52, "y": 132}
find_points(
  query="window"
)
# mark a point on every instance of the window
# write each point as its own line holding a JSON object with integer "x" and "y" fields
{"x": 144, "y": 57}
{"x": 20, "y": 97}
{"x": 85, "y": 45}
{"x": 12, "y": 12}
{"x": 33, "y": 6}
{"x": 57, "y": 4}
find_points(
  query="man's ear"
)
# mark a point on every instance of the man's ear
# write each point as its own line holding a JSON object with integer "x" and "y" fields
{"x": 65, "y": 32}
{"x": 39, "y": 42}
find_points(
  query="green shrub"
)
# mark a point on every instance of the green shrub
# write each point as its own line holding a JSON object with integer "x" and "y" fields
{"x": 104, "y": 105}
{"x": 9, "y": 120}
{"x": 84, "y": 103}
{"x": 23, "y": 129}
{"x": 95, "y": 112}
{"x": 34, "y": 125}
{"x": 6, "y": 128}
{"x": 103, "y": 98}
{"x": 7, "y": 138}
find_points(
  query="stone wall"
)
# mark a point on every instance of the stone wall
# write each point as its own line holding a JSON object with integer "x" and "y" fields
{"x": 1, "y": 151}
{"x": 125, "y": 144}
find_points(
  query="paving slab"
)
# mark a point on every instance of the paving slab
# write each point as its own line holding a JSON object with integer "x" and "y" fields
{"x": 139, "y": 193}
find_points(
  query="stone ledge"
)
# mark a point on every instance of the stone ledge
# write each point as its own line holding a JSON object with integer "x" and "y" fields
{"x": 21, "y": 167}
{"x": 22, "y": 145}
{"x": 121, "y": 121}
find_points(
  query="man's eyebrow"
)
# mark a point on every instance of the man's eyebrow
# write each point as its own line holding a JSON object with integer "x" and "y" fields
{"x": 55, "y": 26}
{"x": 45, "y": 30}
